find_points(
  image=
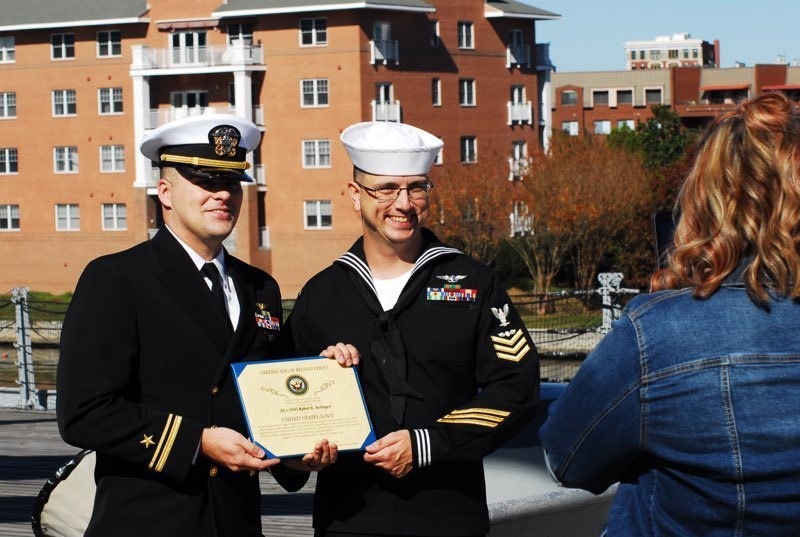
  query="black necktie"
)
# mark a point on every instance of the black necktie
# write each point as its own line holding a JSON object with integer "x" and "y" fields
{"x": 211, "y": 272}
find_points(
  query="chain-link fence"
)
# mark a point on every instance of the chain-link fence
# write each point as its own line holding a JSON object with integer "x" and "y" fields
{"x": 565, "y": 326}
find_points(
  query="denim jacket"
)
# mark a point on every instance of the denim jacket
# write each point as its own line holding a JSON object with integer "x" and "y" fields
{"x": 693, "y": 406}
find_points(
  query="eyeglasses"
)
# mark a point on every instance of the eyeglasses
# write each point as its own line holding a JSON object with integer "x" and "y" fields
{"x": 387, "y": 194}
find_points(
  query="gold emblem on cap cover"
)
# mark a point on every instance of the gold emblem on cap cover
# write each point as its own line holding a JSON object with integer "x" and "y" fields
{"x": 225, "y": 140}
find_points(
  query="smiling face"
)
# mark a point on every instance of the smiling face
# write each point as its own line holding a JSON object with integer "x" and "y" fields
{"x": 394, "y": 224}
{"x": 202, "y": 213}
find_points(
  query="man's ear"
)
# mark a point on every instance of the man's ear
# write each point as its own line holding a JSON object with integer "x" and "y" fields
{"x": 165, "y": 193}
{"x": 355, "y": 195}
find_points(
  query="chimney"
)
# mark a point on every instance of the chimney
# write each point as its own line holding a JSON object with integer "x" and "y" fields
{"x": 717, "y": 59}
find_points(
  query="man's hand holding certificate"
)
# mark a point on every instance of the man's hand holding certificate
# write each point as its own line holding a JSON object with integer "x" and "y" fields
{"x": 290, "y": 405}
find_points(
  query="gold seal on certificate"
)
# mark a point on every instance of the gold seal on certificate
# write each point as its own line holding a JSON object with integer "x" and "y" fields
{"x": 292, "y": 404}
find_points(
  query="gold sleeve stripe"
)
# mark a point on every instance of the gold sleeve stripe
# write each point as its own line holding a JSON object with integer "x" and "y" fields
{"x": 475, "y": 415}
{"x": 165, "y": 441}
{"x": 170, "y": 441}
{"x": 467, "y": 422}
{"x": 514, "y": 357}
{"x": 492, "y": 411}
{"x": 508, "y": 348}
{"x": 205, "y": 162}
{"x": 161, "y": 438}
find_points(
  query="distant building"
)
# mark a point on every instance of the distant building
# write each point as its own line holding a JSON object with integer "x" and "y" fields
{"x": 79, "y": 88}
{"x": 597, "y": 102}
{"x": 677, "y": 50}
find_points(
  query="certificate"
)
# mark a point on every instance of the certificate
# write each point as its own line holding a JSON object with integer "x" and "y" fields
{"x": 292, "y": 404}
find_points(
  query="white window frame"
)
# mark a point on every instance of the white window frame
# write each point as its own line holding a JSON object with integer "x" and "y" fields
{"x": 319, "y": 36}
{"x": 315, "y": 85}
{"x": 9, "y": 157}
{"x": 602, "y": 126}
{"x": 466, "y": 35}
{"x": 439, "y": 160}
{"x": 7, "y": 49}
{"x": 622, "y": 90}
{"x": 436, "y": 91}
{"x": 568, "y": 92}
{"x": 571, "y": 127}
{"x": 242, "y": 31}
{"x": 612, "y": 97}
{"x": 112, "y": 158}
{"x": 107, "y": 45}
{"x": 469, "y": 149}
{"x": 66, "y": 99}
{"x": 187, "y": 47}
{"x": 118, "y": 216}
{"x": 9, "y": 215}
{"x": 67, "y": 158}
{"x": 630, "y": 123}
{"x": 179, "y": 99}
{"x": 112, "y": 97}
{"x": 70, "y": 220}
{"x": 650, "y": 88}
{"x": 467, "y": 92}
{"x": 436, "y": 36}
{"x": 64, "y": 47}
{"x": 8, "y": 101}
{"x": 314, "y": 209}
{"x": 316, "y": 153}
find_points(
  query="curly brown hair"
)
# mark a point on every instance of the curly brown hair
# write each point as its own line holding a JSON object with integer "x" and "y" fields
{"x": 741, "y": 200}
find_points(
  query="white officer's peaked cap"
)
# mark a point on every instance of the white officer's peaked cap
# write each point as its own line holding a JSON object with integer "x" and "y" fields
{"x": 386, "y": 148}
{"x": 209, "y": 145}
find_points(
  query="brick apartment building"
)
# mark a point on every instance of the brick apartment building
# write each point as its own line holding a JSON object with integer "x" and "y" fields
{"x": 676, "y": 50}
{"x": 81, "y": 81}
{"x": 600, "y": 101}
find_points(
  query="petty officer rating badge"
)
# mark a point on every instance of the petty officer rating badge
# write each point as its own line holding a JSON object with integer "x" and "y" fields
{"x": 265, "y": 320}
{"x": 451, "y": 291}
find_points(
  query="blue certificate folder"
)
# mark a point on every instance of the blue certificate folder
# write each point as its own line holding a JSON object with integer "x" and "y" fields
{"x": 291, "y": 404}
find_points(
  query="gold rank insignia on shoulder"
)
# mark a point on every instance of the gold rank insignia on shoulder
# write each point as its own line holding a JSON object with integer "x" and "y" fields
{"x": 225, "y": 139}
{"x": 511, "y": 345}
{"x": 484, "y": 417}
{"x": 265, "y": 320}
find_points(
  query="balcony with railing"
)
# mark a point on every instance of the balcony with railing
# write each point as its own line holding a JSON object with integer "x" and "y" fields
{"x": 235, "y": 54}
{"x": 517, "y": 168}
{"x": 519, "y": 112}
{"x": 518, "y": 56}
{"x": 156, "y": 117}
{"x": 521, "y": 224}
{"x": 263, "y": 237}
{"x": 384, "y": 51}
{"x": 386, "y": 111}
{"x": 542, "y": 59}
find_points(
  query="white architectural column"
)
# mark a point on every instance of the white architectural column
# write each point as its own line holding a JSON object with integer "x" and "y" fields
{"x": 141, "y": 110}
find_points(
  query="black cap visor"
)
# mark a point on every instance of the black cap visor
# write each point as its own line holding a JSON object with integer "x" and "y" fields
{"x": 210, "y": 174}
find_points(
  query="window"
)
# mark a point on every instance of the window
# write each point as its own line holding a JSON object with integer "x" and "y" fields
{"x": 624, "y": 96}
{"x": 600, "y": 97}
{"x": 626, "y": 123}
{"x": 112, "y": 158}
{"x": 519, "y": 160}
{"x": 672, "y": 54}
{"x": 189, "y": 99}
{"x": 242, "y": 32}
{"x": 686, "y": 54}
{"x": 110, "y": 100}
{"x": 68, "y": 217}
{"x": 314, "y": 92}
{"x": 466, "y": 92}
{"x": 8, "y": 160}
{"x": 114, "y": 217}
{"x": 316, "y": 153}
{"x": 569, "y": 98}
{"x": 439, "y": 160}
{"x": 109, "y": 43}
{"x": 602, "y": 127}
{"x": 695, "y": 53}
{"x": 469, "y": 150}
{"x": 652, "y": 96}
{"x": 436, "y": 38}
{"x": 62, "y": 46}
{"x": 9, "y": 217}
{"x": 655, "y": 54}
{"x": 66, "y": 159}
{"x": 570, "y": 127}
{"x": 188, "y": 47}
{"x": 633, "y": 54}
{"x": 64, "y": 103}
{"x": 436, "y": 92}
{"x": 465, "y": 37}
{"x": 318, "y": 214}
{"x": 7, "y": 49}
{"x": 313, "y": 32}
{"x": 8, "y": 104}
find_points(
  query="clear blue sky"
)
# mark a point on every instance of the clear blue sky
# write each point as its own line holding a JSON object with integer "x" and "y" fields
{"x": 591, "y": 35}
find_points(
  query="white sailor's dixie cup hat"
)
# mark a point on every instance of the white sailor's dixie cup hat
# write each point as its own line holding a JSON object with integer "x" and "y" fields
{"x": 210, "y": 146}
{"x": 386, "y": 148}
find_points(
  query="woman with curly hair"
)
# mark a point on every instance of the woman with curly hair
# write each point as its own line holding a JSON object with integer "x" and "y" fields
{"x": 692, "y": 401}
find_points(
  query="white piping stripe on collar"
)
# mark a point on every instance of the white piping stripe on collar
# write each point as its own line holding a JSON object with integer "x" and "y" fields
{"x": 362, "y": 269}
{"x": 423, "y": 438}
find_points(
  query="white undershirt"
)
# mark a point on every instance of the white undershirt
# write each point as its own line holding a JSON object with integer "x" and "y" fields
{"x": 389, "y": 290}
{"x": 231, "y": 298}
